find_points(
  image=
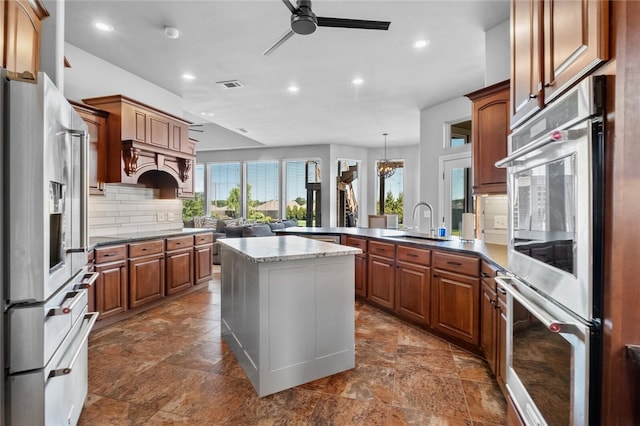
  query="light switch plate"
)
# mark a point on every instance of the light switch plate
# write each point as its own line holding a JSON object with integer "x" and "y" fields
{"x": 500, "y": 222}
{"x": 162, "y": 217}
{"x": 171, "y": 217}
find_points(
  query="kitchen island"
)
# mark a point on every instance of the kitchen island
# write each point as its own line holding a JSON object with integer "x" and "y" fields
{"x": 288, "y": 309}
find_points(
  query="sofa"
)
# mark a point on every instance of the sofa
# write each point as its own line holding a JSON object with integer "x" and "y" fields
{"x": 236, "y": 228}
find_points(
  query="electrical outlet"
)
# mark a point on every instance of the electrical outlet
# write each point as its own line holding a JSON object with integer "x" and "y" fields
{"x": 499, "y": 222}
{"x": 171, "y": 217}
{"x": 162, "y": 217}
{"x": 425, "y": 213}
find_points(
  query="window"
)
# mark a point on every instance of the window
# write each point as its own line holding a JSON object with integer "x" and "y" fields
{"x": 391, "y": 192}
{"x": 224, "y": 190}
{"x": 348, "y": 193}
{"x": 455, "y": 190}
{"x": 457, "y": 133}
{"x": 195, "y": 207}
{"x": 262, "y": 191}
{"x": 302, "y": 191}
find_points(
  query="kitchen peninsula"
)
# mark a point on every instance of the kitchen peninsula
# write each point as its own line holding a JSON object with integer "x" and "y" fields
{"x": 288, "y": 309}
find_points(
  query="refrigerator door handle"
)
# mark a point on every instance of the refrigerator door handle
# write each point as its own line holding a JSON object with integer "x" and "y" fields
{"x": 91, "y": 319}
{"x": 84, "y": 189}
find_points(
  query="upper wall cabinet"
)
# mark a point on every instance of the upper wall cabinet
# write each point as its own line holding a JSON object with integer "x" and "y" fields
{"x": 489, "y": 130}
{"x": 147, "y": 146}
{"x": 96, "y": 120}
{"x": 21, "y": 33}
{"x": 554, "y": 43}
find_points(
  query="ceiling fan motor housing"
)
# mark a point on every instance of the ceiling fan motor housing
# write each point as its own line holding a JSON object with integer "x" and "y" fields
{"x": 304, "y": 22}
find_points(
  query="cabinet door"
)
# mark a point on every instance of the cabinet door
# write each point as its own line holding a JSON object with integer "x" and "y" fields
{"x": 413, "y": 284}
{"x": 179, "y": 270}
{"x": 146, "y": 279}
{"x": 361, "y": 275}
{"x": 22, "y": 37}
{"x": 526, "y": 68}
{"x": 488, "y": 324}
{"x": 381, "y": 281}
{"x": 111, "y": 289}
{"x": 455, "y": 308}
{"x": 490, "y": 129}
{"x": 501, "y": 336}
{"x": 204, "y": 262}
{"x": 97, "y": 124}
{"x": 575, "y": 41}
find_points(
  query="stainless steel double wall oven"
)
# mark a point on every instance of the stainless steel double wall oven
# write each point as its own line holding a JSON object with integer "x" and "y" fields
{"x": 44, "y": 255}
{"x": 555, "y": 257}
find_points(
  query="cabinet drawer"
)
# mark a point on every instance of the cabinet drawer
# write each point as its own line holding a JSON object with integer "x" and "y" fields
{"x": 488, "y": 270}
{"x": 457, "y": 263}
{"x": 382, "y": 249}
{"x": 110, "y": 254}
{"x": 146, "y": 248}
{"x": 179, "y": 243}
{"x": 206, "y": 238}
{"x": 414, "y": 255}
{"x": 360, "y": 243}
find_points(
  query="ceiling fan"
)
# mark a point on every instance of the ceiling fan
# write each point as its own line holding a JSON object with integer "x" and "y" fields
{"x": 304, "y": 21}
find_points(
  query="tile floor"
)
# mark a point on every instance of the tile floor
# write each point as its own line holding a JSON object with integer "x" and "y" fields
{"x": 169, "y": 366}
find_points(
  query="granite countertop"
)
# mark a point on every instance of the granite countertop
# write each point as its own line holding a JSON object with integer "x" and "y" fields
{"x": 282, "y": 248}
{"x": 494, "y": 253}
{"x": 142, "y": 236}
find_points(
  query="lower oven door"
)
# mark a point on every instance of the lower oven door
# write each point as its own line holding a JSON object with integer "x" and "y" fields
{"x": 54, "y": 395}
{"x": 548, "y": 359}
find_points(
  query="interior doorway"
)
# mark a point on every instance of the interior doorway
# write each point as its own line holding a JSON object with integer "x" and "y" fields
{"x": 455, "y": 190}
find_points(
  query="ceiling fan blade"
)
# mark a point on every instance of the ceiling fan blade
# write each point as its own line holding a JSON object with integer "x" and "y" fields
{"x": 352, "y": 23}
{"x": 290, "y": 6}
{"x": 286, "y": 36}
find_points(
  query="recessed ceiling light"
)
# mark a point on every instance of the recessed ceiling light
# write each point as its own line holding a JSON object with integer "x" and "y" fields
{"x": 207, "y": 114}
{"x": 420, "y": 44}
{"x": 188, "y": 76}
{"x": 171, "y": 32}
{"x": 293, "y": 89}
{"x": 103, "y": 26}
{"x": 357, "y": 81}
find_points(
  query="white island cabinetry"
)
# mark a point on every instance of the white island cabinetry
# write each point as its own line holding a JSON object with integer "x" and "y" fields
{"x": 288, "y": 309}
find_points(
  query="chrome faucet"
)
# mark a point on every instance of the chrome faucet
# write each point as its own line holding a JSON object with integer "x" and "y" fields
{"x": 432, "y": 229}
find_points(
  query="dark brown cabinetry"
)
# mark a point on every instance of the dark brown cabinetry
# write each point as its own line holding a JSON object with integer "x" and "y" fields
{"x": 203, "y": 253}
{"x": 489, "y": 129}
{"x": 96, "y": 121}
{"x": 489, "y": 317}
{"x": 360, "y": 264}
{"x": 146, "y": 272}
{"x": 456, "y": 297}
{"x": 413, "y": 284}
{"x": 179, "y": 262}
{"x": 381, "y": 271}
{"x": 111, "y": 285}
{"x": 569, "y": 37}
{"x": 21, "y": 32}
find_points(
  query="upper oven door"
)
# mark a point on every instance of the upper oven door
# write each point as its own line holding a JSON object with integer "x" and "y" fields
{"x": 550, "y": 211}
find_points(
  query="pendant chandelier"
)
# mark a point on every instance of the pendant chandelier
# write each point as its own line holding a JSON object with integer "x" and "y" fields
{"x": 386, "y": 168}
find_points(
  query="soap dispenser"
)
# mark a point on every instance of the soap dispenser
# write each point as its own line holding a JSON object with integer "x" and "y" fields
{"x": 442, "y": 231}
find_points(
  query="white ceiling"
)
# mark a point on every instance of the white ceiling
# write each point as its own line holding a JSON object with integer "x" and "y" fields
{"x": 224, "y": 40}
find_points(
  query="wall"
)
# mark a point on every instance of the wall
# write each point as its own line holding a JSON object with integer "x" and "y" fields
{"x": 432, "y": 130}
{"x": 498, "y": 54}
{"x": 128, "y": 209}
{"x": 494, "y": 218}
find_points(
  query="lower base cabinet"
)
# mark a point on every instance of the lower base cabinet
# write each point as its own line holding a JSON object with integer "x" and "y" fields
{"x": 203, "y": 261}
{"x": 381, "y": 288}
{"x": 111, "y": 289}
{"x": 413, "y": 284}
{"x": 146, "y": 279}
{"x": 456, "y": 306}
{"x": 179, "y": 270}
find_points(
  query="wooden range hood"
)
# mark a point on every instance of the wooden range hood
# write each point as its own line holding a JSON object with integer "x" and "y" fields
{"x": 147, "y": 146}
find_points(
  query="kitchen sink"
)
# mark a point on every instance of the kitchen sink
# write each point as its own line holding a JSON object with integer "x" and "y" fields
{"x": 420, "y": 236}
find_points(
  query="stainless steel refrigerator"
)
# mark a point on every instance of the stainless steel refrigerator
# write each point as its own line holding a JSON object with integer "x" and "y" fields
{"x": 44, "y": 255}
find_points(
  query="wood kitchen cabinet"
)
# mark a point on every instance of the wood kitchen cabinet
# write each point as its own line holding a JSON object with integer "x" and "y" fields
{"x": 360, "y": 264}
{"x": 501, "y": 344}
{"x": 553, "y": 44}
{"x": 203, "y": 253}
{"x": 179, "y": 263}
{"x": 456, "y": 297}
{"x": 112, "y": 283}
{"x": 489, "y": 316}
{"x": 490, "y": 129}
{"x": 381, "y": 271}
{"x": 413, "y": 284}
{"x": 96, "y": 121}
{"x": 146, "y": 272}
{"x": 21, "y": 32}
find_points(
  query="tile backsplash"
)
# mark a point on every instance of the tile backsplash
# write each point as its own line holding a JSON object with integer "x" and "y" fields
{"x": 494, "y": 219}
{"x": 125, "y": 209}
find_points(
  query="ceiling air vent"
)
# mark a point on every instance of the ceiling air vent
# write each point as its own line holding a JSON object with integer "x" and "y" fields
{"x": 231, "y": 84}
